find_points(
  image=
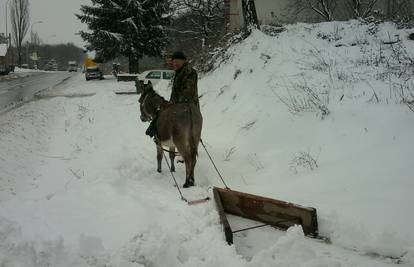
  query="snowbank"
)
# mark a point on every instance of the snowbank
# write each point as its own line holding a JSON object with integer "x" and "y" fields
{"x": 315, "y": 116}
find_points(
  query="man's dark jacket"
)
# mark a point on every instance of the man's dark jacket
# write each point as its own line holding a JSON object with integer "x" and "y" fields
{"x": 184, "y": 88}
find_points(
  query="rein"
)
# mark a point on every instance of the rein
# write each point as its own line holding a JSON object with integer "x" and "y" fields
{"x": 163, "y": 149}
{"x": 142, "y": 104}
{"x": 157, "y": 109}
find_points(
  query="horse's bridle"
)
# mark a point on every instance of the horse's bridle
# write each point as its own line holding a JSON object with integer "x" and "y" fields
{"x": 144, "y": 110}
{"x": 148, "y": 116}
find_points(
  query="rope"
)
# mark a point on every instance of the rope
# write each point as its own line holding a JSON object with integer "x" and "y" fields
{"x": 172, "y": 175}
{"x": 169, "y": 151}
{"x": 249, "y": 228}
{"x": 215, "y": 167}
{"x": 262, "y": 225}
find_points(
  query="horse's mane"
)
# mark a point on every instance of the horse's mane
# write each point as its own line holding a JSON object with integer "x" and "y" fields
{"x": 149, "y": 89}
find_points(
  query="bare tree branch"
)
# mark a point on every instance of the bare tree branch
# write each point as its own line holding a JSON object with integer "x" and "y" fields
{"x": 324, "y": 8}
{"x": 360, "y": 8}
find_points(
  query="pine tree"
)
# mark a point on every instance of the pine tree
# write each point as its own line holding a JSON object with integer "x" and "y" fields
{"x": 132, "y": 28}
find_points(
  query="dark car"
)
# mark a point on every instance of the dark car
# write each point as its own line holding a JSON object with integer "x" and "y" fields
{"x": 93, "y": 73}
{"x": 4, "y": 69}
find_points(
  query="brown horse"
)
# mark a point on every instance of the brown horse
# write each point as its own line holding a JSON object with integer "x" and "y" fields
{"x": 177, "y": 126}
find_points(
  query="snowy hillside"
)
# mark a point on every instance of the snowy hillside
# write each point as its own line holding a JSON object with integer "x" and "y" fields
{"x": 326, "y": 97}
{"x": 318, "y": 115}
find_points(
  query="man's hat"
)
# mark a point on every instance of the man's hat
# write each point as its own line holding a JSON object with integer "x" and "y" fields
{"x": 178, "y": 55}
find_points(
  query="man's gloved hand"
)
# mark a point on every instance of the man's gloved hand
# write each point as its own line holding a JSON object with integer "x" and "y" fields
{"x": 151, "y": 131}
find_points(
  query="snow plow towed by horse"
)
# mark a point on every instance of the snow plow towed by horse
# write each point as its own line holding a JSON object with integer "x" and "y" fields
{"x": 179, "y": 126}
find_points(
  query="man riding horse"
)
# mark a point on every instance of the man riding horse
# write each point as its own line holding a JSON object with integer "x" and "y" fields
{"x": 184, "y": 89}
{"x": 179, "y": 120}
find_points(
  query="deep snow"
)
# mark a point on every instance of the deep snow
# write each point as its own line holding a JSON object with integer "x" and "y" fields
{"x": 78, "y": 185}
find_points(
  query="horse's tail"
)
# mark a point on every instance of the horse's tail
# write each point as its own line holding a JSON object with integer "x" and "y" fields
{"x": 193, "y": 142}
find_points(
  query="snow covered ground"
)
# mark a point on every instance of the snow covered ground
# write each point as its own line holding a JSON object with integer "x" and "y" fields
{"x": 313, "y": 116}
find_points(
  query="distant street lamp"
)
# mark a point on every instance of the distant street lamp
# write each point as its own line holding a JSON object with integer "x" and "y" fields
{"x": 31, "y": 28}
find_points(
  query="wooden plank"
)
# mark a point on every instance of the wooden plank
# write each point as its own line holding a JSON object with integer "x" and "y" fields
{"x": 274, "y": 212}
{"x": 126, "y": 93}
{"x": 223, "y": 219}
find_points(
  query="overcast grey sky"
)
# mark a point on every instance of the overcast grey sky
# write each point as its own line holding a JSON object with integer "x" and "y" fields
{"x": 59, "y": 22}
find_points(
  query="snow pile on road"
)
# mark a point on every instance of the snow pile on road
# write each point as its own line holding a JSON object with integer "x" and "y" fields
{"x": 25, "y": 70}
{"x": 310, "y": 116}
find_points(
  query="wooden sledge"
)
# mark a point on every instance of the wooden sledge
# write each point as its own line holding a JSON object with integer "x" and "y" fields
{"x": 276, "y": 213}
{"x": 126, "y": 77}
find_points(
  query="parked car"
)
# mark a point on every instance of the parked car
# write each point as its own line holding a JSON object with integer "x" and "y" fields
{"x": 93, "y": 73}
{"x": 155, "y": 76}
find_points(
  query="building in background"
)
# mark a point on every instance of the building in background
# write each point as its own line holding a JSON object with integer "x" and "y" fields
{"x": 4, "y": 63}
{"x": 3, "y": 53}
{"x": 276, "y": 12}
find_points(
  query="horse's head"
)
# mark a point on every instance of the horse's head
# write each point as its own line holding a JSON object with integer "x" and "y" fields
{"x": 149, "y": 101}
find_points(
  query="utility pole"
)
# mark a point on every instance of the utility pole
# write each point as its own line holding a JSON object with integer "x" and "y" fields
{"x": 7, "y": 4}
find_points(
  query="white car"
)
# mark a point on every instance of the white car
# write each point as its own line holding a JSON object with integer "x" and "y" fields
{"x": 155, "y": 76}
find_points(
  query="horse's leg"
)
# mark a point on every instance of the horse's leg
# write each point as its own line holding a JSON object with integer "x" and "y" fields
{"x": 193, "y": 167}
{"x": 189, "y": 170}
{"x": 192, "y": 163}
{"x": 159, "y": 158}
{"x": 185, "y": 153}
{"x": 187, "y": 162}
{"x": 172, "y": 156}
{"x": 192, "y": 160}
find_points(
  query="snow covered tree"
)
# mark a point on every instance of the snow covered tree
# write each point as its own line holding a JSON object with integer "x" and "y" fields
{"x": 250, "y": 16}
{"x": 131, "y": 28}
{"x": 197, "y": 26}
{"x": 144, "y": 33}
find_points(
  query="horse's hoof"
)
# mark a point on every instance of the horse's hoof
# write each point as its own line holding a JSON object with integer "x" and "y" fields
{"x": 159, "y": 170}
{"x": 188, "y": 184}
{"x": 172, "y": 170}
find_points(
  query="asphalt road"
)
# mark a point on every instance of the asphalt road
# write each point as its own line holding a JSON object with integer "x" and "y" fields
{"x": 18, "y": 90}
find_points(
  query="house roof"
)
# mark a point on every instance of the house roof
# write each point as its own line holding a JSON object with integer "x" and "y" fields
{"x": 3, "y": 50}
